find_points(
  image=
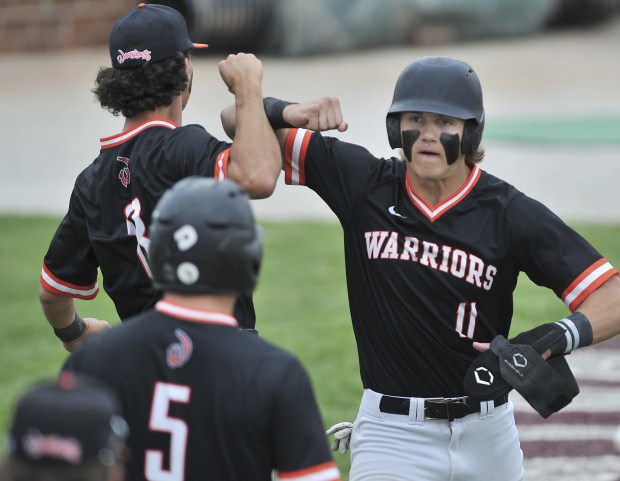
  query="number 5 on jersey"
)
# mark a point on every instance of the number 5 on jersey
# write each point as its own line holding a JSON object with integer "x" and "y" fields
{"x": 160, "y": 420}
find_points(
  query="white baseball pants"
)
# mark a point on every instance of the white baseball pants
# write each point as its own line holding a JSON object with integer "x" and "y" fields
{"x": 395, "y": 447}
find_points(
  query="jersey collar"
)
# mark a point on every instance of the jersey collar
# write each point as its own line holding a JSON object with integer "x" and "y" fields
{"x": 114, "y": 140}
{"x": 195, "y": 315}
{"x": 434, "y": 212}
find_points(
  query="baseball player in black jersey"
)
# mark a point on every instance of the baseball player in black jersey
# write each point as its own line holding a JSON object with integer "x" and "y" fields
{"x": 205, "y": 400}
{"x": 107, "y": 223}
{"x": 433, "y": 249}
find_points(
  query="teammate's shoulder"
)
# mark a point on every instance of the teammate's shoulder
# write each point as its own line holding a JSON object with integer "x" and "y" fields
{"x": 388, "y": 170}
{"x": 399, "y": 164}
{"x": 497, "y": 186}
{"x": 515, "y": 204}
{"x": 85, "y": 179}
{"x": 190, "y": 130}
{"x": 192, "y": 136}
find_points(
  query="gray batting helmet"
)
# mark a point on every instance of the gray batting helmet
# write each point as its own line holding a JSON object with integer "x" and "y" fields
{"x": 439, "y": 85}
{"x": 204, "y": 239}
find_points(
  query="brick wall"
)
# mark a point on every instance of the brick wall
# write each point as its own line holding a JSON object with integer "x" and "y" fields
{"x": 28, "y": 25}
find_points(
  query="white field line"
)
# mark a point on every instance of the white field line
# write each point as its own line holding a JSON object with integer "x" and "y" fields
{"x": 599, "y": 399}
{"x": 596, "y": 364}
{"x": 600, "y": 468}
{"x": 566, "y": 432}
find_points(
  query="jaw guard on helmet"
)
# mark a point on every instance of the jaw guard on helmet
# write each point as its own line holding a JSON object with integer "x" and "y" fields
{"x": 443, "y": 86}
{"x": 204, "y": 239}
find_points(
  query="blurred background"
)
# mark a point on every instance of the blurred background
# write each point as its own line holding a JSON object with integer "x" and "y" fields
{"x": 300, "y": 27}
{"x": 550, "y": 73}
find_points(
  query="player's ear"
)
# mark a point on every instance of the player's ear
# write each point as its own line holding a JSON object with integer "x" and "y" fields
{"x": 189, "y": 70}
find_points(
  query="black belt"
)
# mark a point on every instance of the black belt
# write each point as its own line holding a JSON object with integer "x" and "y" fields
{"x": 436, "y": 408}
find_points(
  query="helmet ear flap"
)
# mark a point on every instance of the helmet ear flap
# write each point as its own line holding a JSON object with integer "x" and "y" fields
{"x": 392, "y": 123}
{"x": 472, "y": 136}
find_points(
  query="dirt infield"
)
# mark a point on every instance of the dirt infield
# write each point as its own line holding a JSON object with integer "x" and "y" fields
{"x": 576, "y": 443}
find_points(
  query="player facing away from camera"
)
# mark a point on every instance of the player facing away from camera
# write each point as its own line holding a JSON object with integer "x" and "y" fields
{"x": 433, "y": 249}
{"x": 107, "y": 223}
{"x": 203, "y": 399}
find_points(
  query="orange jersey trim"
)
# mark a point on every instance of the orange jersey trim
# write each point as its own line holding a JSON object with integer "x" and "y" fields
{"x": 435, "y": 212}
{"x": 117, "y": 139}
{"x": 55, "y": 285}
{"x": 321, "y": 472}
{"x": 586, "y": 283}
{"x": 295, "y": 150}
{"x": 221, "y": 165}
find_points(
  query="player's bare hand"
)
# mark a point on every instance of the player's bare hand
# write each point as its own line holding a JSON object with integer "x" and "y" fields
{"x": 319, "y": 115}
{"x": 93, "y": 326}
{"x": 241, "y": 70}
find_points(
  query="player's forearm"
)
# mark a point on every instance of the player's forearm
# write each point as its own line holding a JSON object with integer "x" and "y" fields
{"x": 255, "y": 154}
{"x": 602, "y": 308}
{"x": 227, "y": 116}
{"x": 228, "y": 119}
{"x": 58, "y": 310}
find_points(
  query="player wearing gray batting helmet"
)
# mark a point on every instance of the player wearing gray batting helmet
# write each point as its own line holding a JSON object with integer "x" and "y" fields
{"x": 216, "y": 249}
{"x": 203, "y": 399}
{"x": 434, "y": 247}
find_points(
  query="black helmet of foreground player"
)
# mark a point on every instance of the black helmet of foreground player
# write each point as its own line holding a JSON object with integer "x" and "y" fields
{"x": 439, "y": 85}
{"x": 204, "y": 239}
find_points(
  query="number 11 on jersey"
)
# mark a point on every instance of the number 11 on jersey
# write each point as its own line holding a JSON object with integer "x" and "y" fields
{"x": 461, "y": 314}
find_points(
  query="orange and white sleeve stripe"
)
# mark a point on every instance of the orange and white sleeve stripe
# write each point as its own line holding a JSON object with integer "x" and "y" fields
{"x": 589, "y": 280}
{"x": 221, "y": 165}
{"x": 295, "y": 150}
{"x": 57, "y": 286}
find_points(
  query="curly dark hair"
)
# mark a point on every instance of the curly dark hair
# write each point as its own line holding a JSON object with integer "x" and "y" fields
{"x": 132, "y": 91}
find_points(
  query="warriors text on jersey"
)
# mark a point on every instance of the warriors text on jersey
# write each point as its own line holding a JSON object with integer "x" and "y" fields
{"x": 424, "y": 281}
{"x": 206, "y": 401}
{"x": 106, "y": 226}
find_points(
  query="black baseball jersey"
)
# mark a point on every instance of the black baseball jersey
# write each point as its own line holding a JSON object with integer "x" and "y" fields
{"x": 110, "y": 210}
{"x": 424, "y": 281}
{"x": 204, "y": 400}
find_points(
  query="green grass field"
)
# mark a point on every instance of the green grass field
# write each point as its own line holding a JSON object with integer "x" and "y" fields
{"x": 300, "y": 302}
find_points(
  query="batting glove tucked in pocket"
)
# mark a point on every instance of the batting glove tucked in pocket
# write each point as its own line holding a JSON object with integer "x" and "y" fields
{"x": 342, "y": 436}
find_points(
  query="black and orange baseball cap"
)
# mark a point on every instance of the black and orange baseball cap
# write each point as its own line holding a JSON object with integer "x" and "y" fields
{"x": 149, "y": 33}
{"x": 72, "y": 420}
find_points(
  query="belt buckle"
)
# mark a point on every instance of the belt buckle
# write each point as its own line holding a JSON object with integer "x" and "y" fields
{"x": 447, "y": 401}
{"x": 433, "y": 399}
